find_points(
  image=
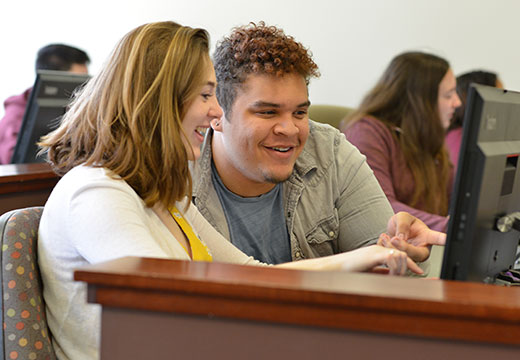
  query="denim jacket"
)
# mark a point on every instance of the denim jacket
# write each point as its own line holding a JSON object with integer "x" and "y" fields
{"x": 332, "y": 200}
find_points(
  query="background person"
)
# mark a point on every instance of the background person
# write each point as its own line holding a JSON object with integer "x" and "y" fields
{"x": 400, "y": 128}
{"x": 57, "y": 57}
{"x": 454, "y": 134}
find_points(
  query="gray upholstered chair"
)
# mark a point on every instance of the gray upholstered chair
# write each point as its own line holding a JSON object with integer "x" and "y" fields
{"x": 329, "y": 114}
{"x": 25, "y": 334}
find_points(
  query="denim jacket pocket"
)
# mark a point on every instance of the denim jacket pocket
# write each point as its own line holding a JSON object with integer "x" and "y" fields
{"x": 322, "y": 239}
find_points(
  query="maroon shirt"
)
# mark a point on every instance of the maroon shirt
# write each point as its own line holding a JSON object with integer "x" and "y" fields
{"x": 374, "y": 139}
{"x": 453, "y": 140}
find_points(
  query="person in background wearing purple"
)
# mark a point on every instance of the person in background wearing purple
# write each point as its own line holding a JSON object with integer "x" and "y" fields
{"x": 400, "y": 128}
{"x": 454, "y": 134}
{"x": 57, "y": 57}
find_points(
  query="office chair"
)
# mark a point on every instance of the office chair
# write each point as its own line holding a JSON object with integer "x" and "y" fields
{"x": 329, "y": 114}
{"x": 25, "y": 334}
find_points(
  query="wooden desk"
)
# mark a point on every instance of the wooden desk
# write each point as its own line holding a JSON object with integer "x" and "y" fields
{"x": 159, "y": 309}
{"x": 23, "y": 185}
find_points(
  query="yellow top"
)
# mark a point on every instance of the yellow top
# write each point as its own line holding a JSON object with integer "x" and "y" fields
{"x": 199, "y": 250}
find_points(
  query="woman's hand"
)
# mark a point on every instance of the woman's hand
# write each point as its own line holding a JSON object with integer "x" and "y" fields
{"x": 397, "y": 261}
{"x": 362, "y": 259}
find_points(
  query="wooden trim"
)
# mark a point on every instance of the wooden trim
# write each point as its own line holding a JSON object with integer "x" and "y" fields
{"x": 25, "y": 185}
{"x": 362, "y": 302}
{"x": 26, "y": 177}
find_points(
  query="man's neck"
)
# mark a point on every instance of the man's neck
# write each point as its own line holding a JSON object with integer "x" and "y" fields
{"x": 234, "y": 180}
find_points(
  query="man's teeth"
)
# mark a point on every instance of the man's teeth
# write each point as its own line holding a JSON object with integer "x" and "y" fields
{"x": 201, "y": 130}
{"x": 281, "y": 149}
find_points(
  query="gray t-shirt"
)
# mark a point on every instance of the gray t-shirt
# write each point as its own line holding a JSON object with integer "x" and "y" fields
{"x": 257, "y": 224}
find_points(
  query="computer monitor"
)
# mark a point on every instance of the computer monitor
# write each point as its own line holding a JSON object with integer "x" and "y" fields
{"x": 484, "y": 211}
{"x": 51, "y": 93}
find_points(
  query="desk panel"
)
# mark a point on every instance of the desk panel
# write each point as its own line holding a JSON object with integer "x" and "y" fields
{"x": 141, "y": 335}
{"x": 474, "y": 319}
{"x": 24, "y": 185}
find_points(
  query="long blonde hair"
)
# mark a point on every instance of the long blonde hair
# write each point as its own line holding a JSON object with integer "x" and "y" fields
{"x": 128, "y": 118}
{"x": 406, "y": 97}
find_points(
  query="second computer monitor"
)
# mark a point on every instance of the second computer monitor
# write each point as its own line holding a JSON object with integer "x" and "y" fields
{"x": 50, "y": 96}
{"x": 483, "y": 230}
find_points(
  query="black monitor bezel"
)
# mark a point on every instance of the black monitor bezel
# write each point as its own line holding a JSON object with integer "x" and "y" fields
{"x": 468, "y": 244}
{"x": 26, "y": 149}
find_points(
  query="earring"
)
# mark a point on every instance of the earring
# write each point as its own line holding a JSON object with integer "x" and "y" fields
{"x": 217, "y": 123}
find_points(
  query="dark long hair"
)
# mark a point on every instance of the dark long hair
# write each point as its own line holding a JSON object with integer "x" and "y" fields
{"x": 463, "y": 83}
{"x": 406, "y": 97}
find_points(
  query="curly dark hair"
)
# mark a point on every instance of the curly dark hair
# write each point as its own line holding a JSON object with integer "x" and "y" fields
{"x": 257, "y": 49}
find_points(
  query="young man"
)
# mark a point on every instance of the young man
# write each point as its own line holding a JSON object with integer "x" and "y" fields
{"x": 51, "y": 57}
{"x": 279, "y": 186}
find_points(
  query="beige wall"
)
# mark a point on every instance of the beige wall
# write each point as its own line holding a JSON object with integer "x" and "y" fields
{"x": 352, "y": 40}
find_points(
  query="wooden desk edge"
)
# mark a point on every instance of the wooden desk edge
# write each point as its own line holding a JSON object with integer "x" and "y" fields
{"x": 21, "y": 178}
{"x": 213, "y": 290}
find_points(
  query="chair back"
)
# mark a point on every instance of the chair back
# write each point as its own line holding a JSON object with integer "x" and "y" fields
{"x": 25, "y": 334}
{"x": 329, "y": 114}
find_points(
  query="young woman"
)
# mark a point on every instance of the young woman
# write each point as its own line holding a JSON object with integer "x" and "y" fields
{"x": 123, "y": 150}
{"x": 400, "y": 127}
{"x": 454, "y": 134}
